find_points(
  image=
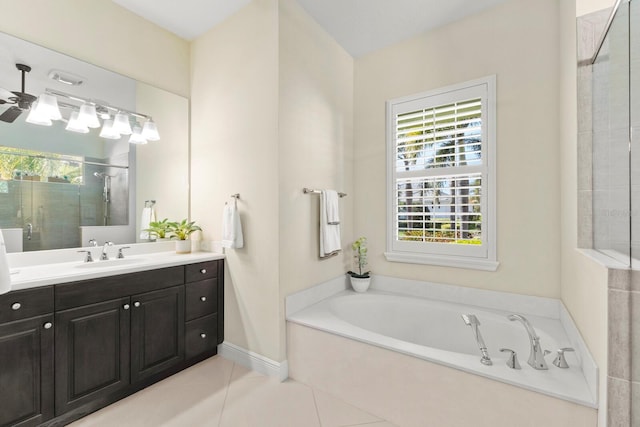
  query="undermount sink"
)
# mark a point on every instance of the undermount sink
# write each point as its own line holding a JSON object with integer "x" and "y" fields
{"x": 110, "y": 263}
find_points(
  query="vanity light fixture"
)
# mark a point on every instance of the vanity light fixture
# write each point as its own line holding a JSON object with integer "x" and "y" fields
{"x": 46, "y": 108}
{"x": 75, "y": 124}
{"x": 107, "y": 130}
{"x": 88, "y": 115}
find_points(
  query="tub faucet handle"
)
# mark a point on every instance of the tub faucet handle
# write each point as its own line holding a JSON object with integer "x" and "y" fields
{"x": 512, "y": 361}
{"x": 560, "y": 361}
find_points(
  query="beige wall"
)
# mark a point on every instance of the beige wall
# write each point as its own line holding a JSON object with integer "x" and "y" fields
{"x": 272, "y": 112}
{"x": 315, "y": 147}
{"x": 234, "y": 149}
{"x": 517, "y": 41}
{"x": 104, "y": 34}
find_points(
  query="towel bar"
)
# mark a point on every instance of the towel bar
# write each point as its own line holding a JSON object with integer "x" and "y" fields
{"x": 314, "y": 191}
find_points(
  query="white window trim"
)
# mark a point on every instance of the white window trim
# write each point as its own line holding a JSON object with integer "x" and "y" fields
{"x": 489, "y": 261}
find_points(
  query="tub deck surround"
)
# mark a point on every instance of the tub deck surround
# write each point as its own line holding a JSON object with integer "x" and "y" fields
{"x": 30, "y": 270}
{"x": 424, "y": 320}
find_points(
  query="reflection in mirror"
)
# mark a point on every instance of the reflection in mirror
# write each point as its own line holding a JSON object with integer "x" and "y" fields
{"x": 60, "y": 188}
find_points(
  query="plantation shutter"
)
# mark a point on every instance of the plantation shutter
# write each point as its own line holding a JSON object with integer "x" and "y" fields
{"x": 439, "y": 173}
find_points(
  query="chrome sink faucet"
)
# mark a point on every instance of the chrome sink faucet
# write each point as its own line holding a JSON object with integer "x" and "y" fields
{"x": 536, "y": 355}
{"x": 472, "y": 320}
{"x": 103, "y": 255}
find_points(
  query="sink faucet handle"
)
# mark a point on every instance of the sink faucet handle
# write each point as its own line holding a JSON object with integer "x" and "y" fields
{"x": 93, "y": 243}
{"x": 560, "y": 361}
{"x": 88, "y": 257}
{"x": 512, "y": 361}
{"x": 120, "y": 254}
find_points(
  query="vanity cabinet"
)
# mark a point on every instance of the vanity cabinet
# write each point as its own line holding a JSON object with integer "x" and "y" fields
{"x": 102, "y": 348}
{"x": 26, "y": 357}
{"x": 70, "y": 349}
{"x": 203, "y": 308}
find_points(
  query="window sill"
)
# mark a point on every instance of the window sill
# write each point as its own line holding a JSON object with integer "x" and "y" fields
{"x": 442, "y": 261}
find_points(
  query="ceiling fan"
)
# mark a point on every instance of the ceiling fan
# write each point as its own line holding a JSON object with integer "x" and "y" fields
{"x": 20, "y": 101}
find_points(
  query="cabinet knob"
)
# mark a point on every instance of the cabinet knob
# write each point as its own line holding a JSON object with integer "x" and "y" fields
{"x": 203, "y": 271}
{"x": 203, "y": 299}
{"x": 126, "y": 306}
{"x": 203, "y": 335}
{"x": 48, "y": 325}
{"x": 136, "y": 304}
{"x": 16, "y": 306}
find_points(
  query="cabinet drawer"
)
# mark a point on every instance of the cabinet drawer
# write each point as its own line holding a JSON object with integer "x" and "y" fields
{"x": 26, "y": 303}
{"x": 201, "y": 271}
{"x": 201, "y": 335}
{"x": 202, "y": 298}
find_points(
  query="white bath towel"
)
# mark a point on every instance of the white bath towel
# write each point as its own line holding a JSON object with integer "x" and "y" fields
{"x": 332, "y": 207}
{"x": 148, "y": 216}
{"x": 329, "y": 233}
{"x": 5, "y": 275}
{"x": 232, "y": 237}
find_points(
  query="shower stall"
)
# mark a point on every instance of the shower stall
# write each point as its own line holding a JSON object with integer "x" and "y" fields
{"x": 609, "y": 187}
{"x": 615, "y": 135}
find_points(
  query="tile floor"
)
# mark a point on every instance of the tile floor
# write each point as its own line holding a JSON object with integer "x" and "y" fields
{"x": 218, "y": 392}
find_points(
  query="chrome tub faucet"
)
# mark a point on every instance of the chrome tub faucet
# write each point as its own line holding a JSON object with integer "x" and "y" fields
{"x": 472, "y": 320}
{"x": 536, "y": 355}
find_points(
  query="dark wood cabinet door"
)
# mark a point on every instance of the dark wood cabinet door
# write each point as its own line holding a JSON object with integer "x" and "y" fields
{"x": 92, "y": 352}
{"x": 26, "y": 371}
{"x": 157, "y": 331}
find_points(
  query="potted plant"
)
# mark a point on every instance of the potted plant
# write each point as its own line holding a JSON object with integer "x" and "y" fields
{"x": 181, "y": 231}
{"x": 159, "y": 229}
{"x": 360, "y": 281}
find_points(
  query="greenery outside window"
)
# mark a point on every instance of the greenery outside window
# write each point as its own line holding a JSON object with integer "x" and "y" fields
{"x": 441, "y": 177}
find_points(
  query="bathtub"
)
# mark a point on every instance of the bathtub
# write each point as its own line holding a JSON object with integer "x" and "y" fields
{"x": 424, "y": 320}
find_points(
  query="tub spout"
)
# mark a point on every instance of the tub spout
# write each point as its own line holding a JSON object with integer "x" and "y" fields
{"x": 472, "y": 320}
{"x": 536, "y": 355}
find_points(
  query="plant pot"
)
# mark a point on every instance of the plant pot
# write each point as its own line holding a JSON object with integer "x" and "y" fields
{"x": 183, "y": 246}
{"x": 360, "y": 284}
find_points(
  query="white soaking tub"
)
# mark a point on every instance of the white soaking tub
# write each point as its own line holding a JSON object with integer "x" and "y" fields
{"x": 433, "y": 329}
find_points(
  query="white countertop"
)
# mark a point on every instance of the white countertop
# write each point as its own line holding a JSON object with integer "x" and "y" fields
{"x": 31, "y": 276}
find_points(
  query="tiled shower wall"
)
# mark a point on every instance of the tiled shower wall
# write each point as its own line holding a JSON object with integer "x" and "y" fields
{"x": 604, "y": 196}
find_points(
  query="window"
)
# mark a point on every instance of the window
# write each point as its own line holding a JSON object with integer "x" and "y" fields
{"x": 441, "y": 177}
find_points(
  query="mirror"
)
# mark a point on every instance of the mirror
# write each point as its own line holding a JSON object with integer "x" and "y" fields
{"x": 59, "y": 189}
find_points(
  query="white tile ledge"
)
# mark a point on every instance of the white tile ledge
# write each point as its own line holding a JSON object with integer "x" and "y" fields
{"x": 443, "y": 261}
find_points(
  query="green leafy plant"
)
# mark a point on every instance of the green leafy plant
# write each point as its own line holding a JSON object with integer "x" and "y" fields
{"x": 360, "y": 255}
{"x": 182, "y": 230}
{"x": 159, "y": 229}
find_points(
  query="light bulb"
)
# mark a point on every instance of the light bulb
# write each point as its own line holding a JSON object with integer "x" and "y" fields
{"x": 121, "y": 124}
{"x": 48, "y": 107}
{"x": 36, "y": 118}
{"x": 136, "y": 136}
{"x": 107, "y": 130}
{"x": 150, "y": 131}
{"x": 89, "y": 116}
{"x": 75, "y": 124}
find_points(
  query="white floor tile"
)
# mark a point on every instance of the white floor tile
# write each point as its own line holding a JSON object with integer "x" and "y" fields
{"x": 334, "y": 412}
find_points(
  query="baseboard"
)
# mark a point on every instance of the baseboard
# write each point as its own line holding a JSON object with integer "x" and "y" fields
{"x": 254, "y": 361}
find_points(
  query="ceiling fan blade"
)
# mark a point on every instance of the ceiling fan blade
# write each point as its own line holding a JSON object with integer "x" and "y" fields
{"x": 11, "y": 114}
{"x": 5, "y": 94}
